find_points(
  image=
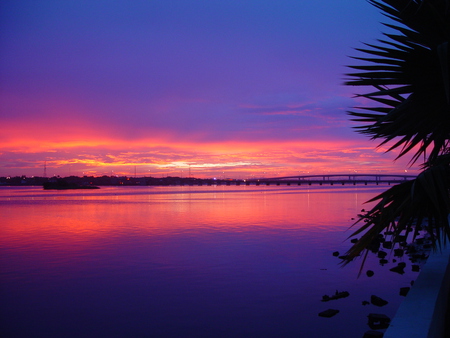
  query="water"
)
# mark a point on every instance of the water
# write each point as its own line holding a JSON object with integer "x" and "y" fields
{"x": 185, "y": 262}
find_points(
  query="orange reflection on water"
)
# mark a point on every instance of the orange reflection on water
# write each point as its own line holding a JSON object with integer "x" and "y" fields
{"x": 148, "y": 211}
{"x": 118, "y": 254}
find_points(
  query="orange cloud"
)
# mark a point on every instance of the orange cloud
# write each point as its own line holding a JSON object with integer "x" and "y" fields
{"x": 148, "y": 157}
{"x": 71, "y": 145}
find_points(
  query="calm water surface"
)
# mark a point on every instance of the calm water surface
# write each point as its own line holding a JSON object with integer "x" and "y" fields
{"x": 185, "y": 262}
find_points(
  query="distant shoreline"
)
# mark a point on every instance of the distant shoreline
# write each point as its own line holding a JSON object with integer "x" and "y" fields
{"x": 326, "y": 180}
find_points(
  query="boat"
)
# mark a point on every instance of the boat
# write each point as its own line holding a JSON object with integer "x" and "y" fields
{"x": 64, "y": 185}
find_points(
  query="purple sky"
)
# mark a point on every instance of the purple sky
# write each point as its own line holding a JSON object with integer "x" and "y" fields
{"x": 231, "y": 87}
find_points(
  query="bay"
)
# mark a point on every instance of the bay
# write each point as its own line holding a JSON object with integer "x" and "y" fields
{"x": 210, "y": 261}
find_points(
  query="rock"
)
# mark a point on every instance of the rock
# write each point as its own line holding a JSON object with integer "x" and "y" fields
{"x": 378, "y": 321}
{"x": 387, "y": 245}
{"x": 365, "y": 302}
{"x": 398, "y": 252}
{"x": 382, "y": 254}
{"x": 415, "y": 268}
{"x": 398, "y": 269}
{"x": 400, "y": 238}
{"x": 411, "y": 249}
{"x": 373, "y": 334}
{"x": 422, "y": 256}
{"x": 337, "y": 295}
{"x": 336, "y": 253}
{"x": 328, "y": 313}
{"x": 383, "y": 261}
{"x": 374, "y": 246}
{"x": 404, "y": 291}
{"x": 377, "y": 301}
{"x": 369, "y": 273}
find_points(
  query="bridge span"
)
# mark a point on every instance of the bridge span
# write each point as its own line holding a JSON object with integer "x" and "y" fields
{"x": 321, "y": 179}
{"x": 332, "y": 179}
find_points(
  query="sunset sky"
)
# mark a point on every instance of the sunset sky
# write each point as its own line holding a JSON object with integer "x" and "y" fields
{"x": 234, "y": 88}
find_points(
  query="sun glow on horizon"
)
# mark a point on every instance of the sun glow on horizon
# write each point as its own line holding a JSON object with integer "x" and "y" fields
{"x": 233, "y": 160}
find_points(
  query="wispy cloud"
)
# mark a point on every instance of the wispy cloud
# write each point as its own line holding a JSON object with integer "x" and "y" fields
{"x": 240, "y": 87}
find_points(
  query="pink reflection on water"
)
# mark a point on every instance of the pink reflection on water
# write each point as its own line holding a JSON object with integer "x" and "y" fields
{"x": 172, "y": 260}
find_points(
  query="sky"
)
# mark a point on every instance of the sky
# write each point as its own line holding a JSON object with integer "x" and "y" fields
{"x": 210, "y": 88}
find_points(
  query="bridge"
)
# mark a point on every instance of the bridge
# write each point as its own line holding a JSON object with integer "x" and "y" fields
{"x": 322, "y": 179}
{"x": 333, "y": 179}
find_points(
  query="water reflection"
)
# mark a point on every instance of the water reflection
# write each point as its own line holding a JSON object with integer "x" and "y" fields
{"x": 180, "y": 261}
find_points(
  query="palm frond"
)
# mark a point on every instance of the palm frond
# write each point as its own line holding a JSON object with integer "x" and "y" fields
{"x": 406, "y": 77}
{"x": 405, "y": 205}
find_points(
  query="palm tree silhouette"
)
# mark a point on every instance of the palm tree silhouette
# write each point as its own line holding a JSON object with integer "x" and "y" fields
{"x": 408, "y": 76}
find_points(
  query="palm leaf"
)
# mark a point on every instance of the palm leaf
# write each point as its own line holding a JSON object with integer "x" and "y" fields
{"x": 404, "y": 204}
{"x": 410, "y": 76}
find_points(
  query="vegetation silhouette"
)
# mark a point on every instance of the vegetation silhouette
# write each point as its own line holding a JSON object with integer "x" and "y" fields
{"x": 408, "y": 108}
